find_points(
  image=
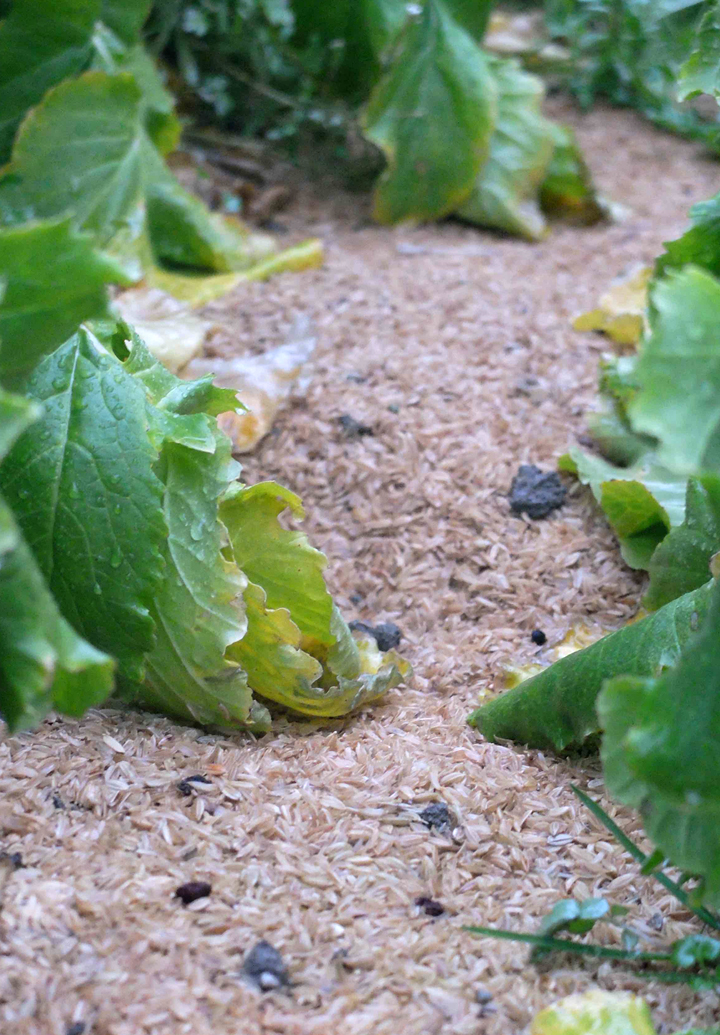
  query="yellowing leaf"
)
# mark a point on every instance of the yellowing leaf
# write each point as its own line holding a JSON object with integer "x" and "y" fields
{"x": 621, "y": 311}
{"x": 198, "y": 289}
{"x": 595, "y": 1013}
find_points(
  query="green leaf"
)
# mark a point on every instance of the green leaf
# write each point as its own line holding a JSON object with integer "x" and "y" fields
{"x": 85, "y": 150}
{"x": 700, "y": 245}
{"x": 687, "y": 833}
{"x": 681, "y": 562}
{"x": 678, "y": 373}
{"x": 126, "y": 18}
{"x": 158, "y": 105}
{"x": 556, "y": 708}
{"x": 505, "y": 194}
{"x": 473, "y": 15}
{"x": 54, "y": 280}
{"x": 695, "y": 950}
{"x": 675, "y": 749}
{"x": 199, "y": 609}
{"x": 701, "y": 71}
{"x": 40, "y": 45}
{"x": 642, "y": 502}
{"x": 572, "y": 916}
{"x": 82, "y": 486}
{"x": 43, "y": 663}
{"x": 432, "y": 114}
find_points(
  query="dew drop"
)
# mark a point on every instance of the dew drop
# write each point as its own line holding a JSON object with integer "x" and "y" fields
{"x": 96, "y": 589}
{"x": 196, "y": 530}
{"x": 73, "y": 492}
{"x": 115, "y": 559}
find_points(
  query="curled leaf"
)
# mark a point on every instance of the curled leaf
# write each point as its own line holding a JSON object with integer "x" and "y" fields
{"x": 621, "y": 311}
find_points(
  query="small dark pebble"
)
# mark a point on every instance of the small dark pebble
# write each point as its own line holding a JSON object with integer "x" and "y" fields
{"x": 274, "y": 227}
{"x": 387, "y": 635}
{"x": 354, "y": 428}
{"x": 265, "y": 968}
{"x": 538, "y": 637}
{"x": 483, "y": 997}
{"x": 438, "y": 815}
{"x": 185, "y": 785}
{"x": 14, "y": 858}
{"x": 356, "y": 378}
{"x": 78, "y": 1028}
{"x": 536, "y": 493}
{"x": 193, "y": 890}
{"x": 429, "y": 906}
{"x": 356, "y": 598}
{"x": 57, "y": 801}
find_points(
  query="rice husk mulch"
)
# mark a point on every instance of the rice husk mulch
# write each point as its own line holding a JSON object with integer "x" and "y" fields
{"x": 455, "y": 346}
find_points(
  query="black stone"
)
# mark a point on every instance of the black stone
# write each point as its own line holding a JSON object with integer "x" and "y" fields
{"x": 429, "y": 906}
{"x": 438, "y": 815}
{"x": 78, "y": 1028}
{"x": 538, "y": 637}
{"x": 354, "y": 428}
{"x": 193, "y": 890}
{"x": 536, "y": 493}
{"x": 387, "y": 635}
{"x": 264, "y": 966}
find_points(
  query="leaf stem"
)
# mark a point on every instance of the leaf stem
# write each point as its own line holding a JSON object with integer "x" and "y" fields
{"x": 566, "y": 945}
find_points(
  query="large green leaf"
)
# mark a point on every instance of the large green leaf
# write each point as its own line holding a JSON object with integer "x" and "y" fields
{"x": 686, "y": 831}
{"x": 701, "y": 71}
{"x": 700, "y": 245}
{"x": 53, "y": 281}
{"x": 642, "y": 502}
{"x": 678, "y": 373}
{"x": 681, "y": 562}
{"x": 43, "y": 663}
{"x": 676, "y": 749}
{"x": 556, "y": 708}
{"x": 85, "y": 150}
{"x": 199, "y": 609}
{"x": 82, "y": 486}
{"x": 432, "y": 114}
{"x": 41, "y": 44}
{"x": 505, "y": 194}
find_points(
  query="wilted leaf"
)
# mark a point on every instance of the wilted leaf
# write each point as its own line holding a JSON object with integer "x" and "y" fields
{"x": 263, "y": 384}
{"x": 595, "y": 1013}
{"x": 621, "y": 311}
{"x": 169, "y": 328}
{"x": 505, "y": 194}
{"x": 567, "y": 189}
{"x": 432, "y": 114}
{"x": 556, "y": 708}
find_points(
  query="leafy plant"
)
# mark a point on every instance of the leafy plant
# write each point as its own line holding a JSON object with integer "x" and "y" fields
{"x": 130, "y": 555}
{"x": 461, "y": 131}
{"x": 632, "y": 53}
{"x": 651, "y": 688}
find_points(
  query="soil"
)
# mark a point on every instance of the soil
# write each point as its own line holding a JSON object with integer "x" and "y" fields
{"x": 454, "y": 346}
